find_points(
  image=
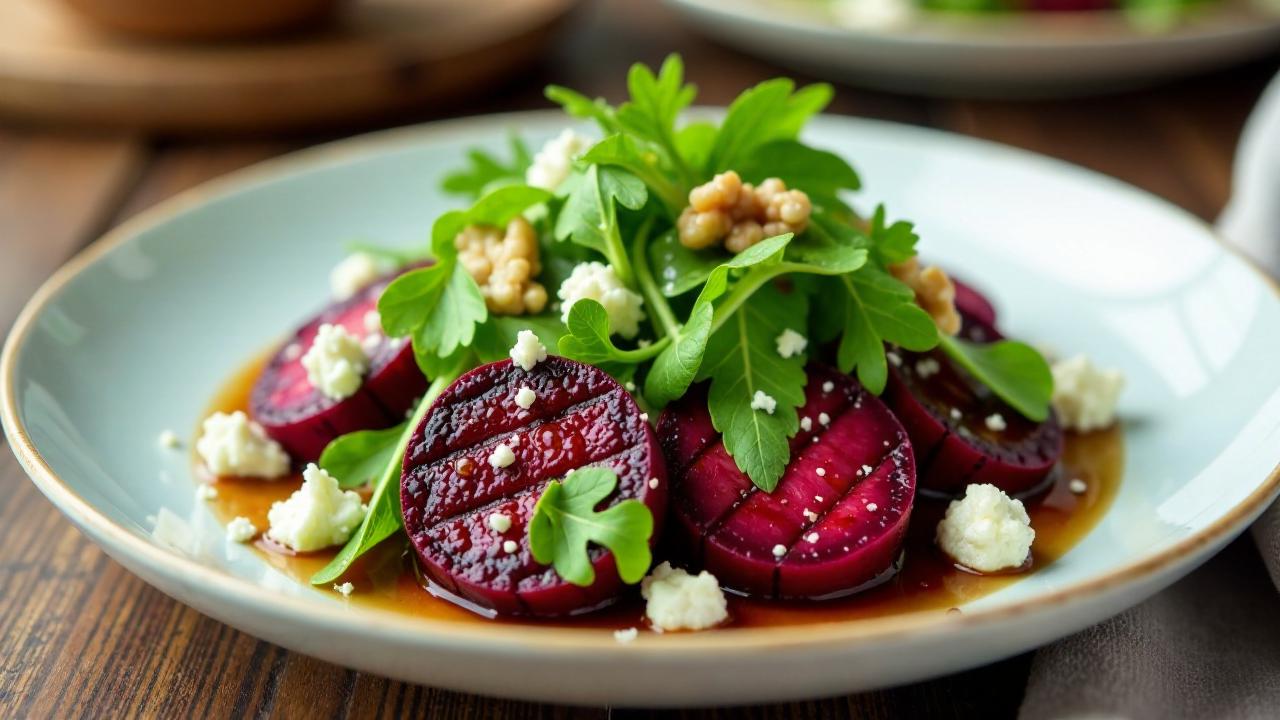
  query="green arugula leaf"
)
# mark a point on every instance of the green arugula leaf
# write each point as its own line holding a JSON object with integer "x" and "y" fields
{"x": 742, "y": 359}
{"x": 356, "y": 458}
{"x": 878, "y": 308}
{"x": 384, "y": 518}
{"x": 1014, "y": 371}
{"x": 485, "y": 172}
{"x": 693, "y": 142}
{"x": 590, "y": 214}
{"x": 678, "y": 268}
{"x": 765, "y": 113}
{"x": 579, "y": 105}
{"x": 677, "y": 365}
{"x": 821, "y": 174}
{"x": 625, "y": 152}
{"x": 565, "y": 521}
{"x": 650, "y": 114}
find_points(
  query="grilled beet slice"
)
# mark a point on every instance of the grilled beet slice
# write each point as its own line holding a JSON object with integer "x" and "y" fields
{"x": 581, "y": 417}
{"x": 301, "y": 418}
{"x": 763, "y": 544}
{"x": 957, "y": 438}
{"x": 973, "y": 304}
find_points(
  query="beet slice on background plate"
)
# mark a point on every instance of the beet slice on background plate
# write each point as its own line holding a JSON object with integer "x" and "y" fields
{"x": 304, "y": 420}
{"x": 962, "y": 433}
{"x": 835, "y": 522}
{"x": 580, "y": 417}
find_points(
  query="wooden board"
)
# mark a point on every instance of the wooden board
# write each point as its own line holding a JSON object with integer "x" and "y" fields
{"x": 380, "y": 57}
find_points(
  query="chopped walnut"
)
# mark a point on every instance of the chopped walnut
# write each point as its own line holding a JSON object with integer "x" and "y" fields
{"x": 934, "y": 292}
{"x": 504, "y": 266}
{"x": 740, "y": 215}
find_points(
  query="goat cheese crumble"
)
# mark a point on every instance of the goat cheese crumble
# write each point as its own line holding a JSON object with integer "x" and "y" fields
{"x": 986, "y": 530}
{"x": 499, "y": 522}
{"x": 763, "y": 401}
{"x": 791, "y": 343}
{"x": 676, "y": 600}
{"x": 525, "y": 398}
{"x": 1085, "y": 395}
{"x": 597, "y": 281}
{"x": 353, "y": 273}
{"x": 206, "y": 492}
{"x": 317, "y": 515}
{"x": 345, "y": 588}
{"x": 232, "y": 444}
{"x": 241, "y": 529}
{"x": 336, "y": 362}
{"x": 502, "y": 456}
{"x": 626, "y": 636}
{"x": 996, "y": 423}
{"x": 554, "y": 160}
{"x": 528, "y": 350}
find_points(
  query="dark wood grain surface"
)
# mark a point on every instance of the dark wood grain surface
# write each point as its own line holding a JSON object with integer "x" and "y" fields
{"x": 79, "y": 636}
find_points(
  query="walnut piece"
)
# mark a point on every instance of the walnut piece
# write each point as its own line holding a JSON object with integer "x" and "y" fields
{"x": 504, "y": 265}
{"x": 739, "y": 215}
{"x": 934, "y": 292}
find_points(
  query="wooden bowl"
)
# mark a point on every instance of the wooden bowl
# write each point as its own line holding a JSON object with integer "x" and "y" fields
{"x": 203, "y": 19}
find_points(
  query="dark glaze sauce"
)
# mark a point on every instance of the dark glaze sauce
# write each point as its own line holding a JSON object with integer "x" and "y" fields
{"x": 928, "y": 581}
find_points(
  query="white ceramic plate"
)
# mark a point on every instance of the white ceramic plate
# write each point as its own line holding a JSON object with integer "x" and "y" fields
{"x": 1034, "y": 54}
{"x": 134, "y": 336}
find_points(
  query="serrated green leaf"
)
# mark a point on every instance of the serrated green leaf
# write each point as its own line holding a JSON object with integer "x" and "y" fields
{"x": 892, "y": 243}
{"x": 589, "y": 215}
{"x": 627, "y": 153}
{"x": 451, "y": 322}
{"x": 565, "y": 521}
{"x": 484, "y": 172}
{"x": 1014, "y": 371}
{"x": 356, "y": 458}
{"x": 877, "y": 309}
{"x": 765, "y": 113}
{"x": 741, "y": 359}
{"x": 579, "y": 105}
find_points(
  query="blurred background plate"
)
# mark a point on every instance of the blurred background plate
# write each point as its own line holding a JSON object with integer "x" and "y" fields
{"x": 892, "y": 45}
{"x": 375, "y": 59}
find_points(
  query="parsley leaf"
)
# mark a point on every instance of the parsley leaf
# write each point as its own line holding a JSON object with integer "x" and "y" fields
{"x": 877, "y": 309}
{"x": 589, "y": 341}
{"x": 892, "y": 243}
{"x": 590, "y": 214}
{"x": 1014, "y": 371}
{"x": 623, "y": 151}
{"x": 565, "y": 520}
{"x": 485, "y": 172}
{"x": 356, "y": 458}
{"x": 742, "y": 359}
{"x": 767, "y": 112}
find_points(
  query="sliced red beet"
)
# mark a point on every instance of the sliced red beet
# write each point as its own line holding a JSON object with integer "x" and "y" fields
{"x": 962, "y": 433}
{"x": 973, "y": 304}
{"x": 304, "y": 420}
{"x": 837, "y": 518}
{"x": 581, "y": 417}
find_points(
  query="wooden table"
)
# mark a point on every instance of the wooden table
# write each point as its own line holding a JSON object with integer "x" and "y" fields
{"x": 81, "y": 636}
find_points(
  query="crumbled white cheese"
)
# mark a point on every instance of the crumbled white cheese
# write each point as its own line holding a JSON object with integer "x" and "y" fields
{"x": 653, "y": 483}
{"x": 241, "y": 529}
{"x": 369, "y": 343}
{"x": 810, "y": 515}
{"x": 866, "y": 469}
{"x": 510, "y": 546}
{"x": 501, "y": 456}
{"x": 525, "y": 398}
{"x": 956, "y": 414}
{"x": 513, "y": 441}
{"x": 554, "y": 160}
{"x": 528, "y": 350}
{"x": 169, "y": 439}
{"x": 676, "y": 600}
{"x": 762, "y": 401}
{"x": 1078, "y": 486}
{"x": 1084, "y": 395}
{"x": 354, "y": 272}
{"x": 894, "y": 359}
{"x": 824, "y": 419}
{"x": 625, "y": 636}
{"x": 806, "y": 423}
{"x": 206, "y": 492}
{"x": 317, "y": 515}
{"x": 779, "y": 550}
{"x": 996, "y": 423}
{"x": 373, "y": 322}
{"x": 828, "y": 386}
{"x": 336, "y": 362}
{"x": 232, "y": 444}
{"x": 597, "y": 281}
{"x": 872, "y": 507}
{"x": 644, "y": 417}
{"x": 927, "y": 368}
{"x": 345, "y": 588}
{"x": 791, "y": 343}
{"x": 292, "y": 351}
{"x": 986, "y": 530}
{"x": 499, "y": 522}
{"x": 822, "y": 472}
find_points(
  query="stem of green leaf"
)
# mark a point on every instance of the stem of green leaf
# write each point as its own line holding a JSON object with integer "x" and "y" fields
{"x": 742, "y": 290}
{"x": 653, "y": 297}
